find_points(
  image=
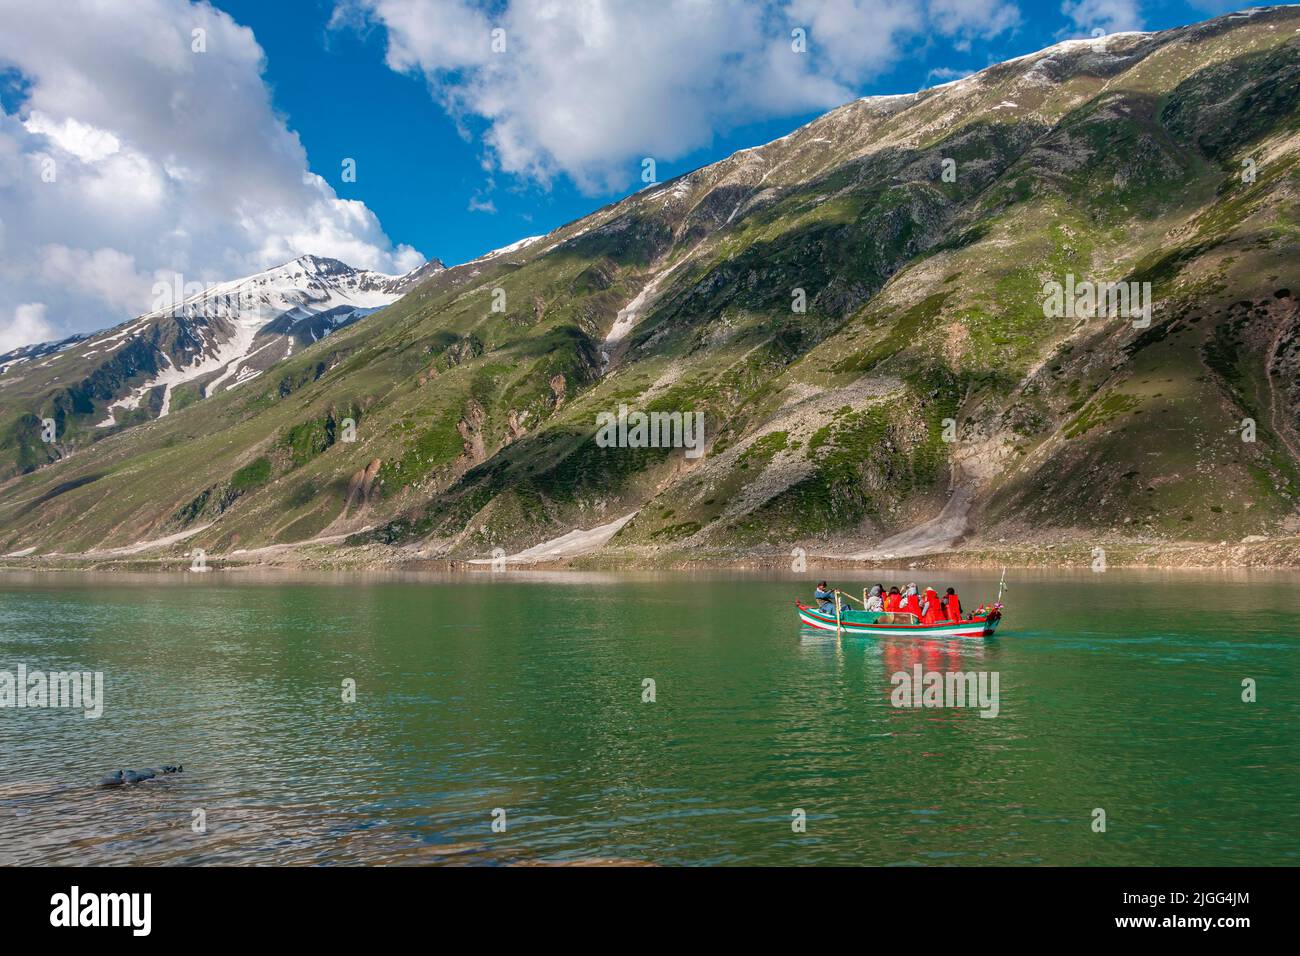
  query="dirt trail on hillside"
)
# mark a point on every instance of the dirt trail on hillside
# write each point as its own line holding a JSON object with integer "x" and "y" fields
{"x": 125, "y": 551}
{"x": 142, "y": 546}
{"x": 940, "y": 533}
{"x": 139, "y": 546}
{"x": 571, "y": 545}
{"x": 290, "y": 545}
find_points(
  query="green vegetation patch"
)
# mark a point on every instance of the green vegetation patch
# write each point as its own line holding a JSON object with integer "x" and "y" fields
{"x": 1099, "y": 413}
{"x": 251, "y": 475}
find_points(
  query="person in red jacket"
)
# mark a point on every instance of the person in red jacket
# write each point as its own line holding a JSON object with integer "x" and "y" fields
{"x": 931, "y": 613}
{"x": 911, "y": 603}
{"x": 952, "y": 605}
{"x": 893, "y": 599}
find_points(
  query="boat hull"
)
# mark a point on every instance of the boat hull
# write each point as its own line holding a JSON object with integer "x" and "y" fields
{"x": 970, "y": 630}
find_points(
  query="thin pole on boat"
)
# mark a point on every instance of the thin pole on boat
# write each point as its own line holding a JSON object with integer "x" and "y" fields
{"x": 837, "y": 613}
{"x": 1002, "y": 585}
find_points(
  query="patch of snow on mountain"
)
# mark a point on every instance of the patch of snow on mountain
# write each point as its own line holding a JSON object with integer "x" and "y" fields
{"x": 298, "y": 290}
{"x": 513, "y": 247}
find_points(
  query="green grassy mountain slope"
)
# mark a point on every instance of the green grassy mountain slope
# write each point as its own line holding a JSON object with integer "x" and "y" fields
{"x": 921, "y": 399}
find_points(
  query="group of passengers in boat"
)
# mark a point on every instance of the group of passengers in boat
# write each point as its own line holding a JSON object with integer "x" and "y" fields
{"x": 929, "y": 608}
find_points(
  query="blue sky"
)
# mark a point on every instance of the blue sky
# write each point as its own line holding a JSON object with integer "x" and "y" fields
{"x": 148, "y": 141}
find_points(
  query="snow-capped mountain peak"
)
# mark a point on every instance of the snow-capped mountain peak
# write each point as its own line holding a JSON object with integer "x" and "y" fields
{"x": 211, "y": 337}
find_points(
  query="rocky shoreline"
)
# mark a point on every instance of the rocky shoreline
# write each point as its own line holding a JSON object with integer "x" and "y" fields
{"x": 1279, "y": 553}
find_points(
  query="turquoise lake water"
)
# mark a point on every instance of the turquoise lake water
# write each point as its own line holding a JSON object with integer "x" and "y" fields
{"x": 519, "y": 698}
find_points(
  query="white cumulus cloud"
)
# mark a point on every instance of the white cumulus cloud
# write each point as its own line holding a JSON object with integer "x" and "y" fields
{"x": 587, "y": 88}
{"x": 1110, "y": 16}
{"x": 968, "y": 20}
{"x": 26, "y": 325}
{"x": 130, "y": 154}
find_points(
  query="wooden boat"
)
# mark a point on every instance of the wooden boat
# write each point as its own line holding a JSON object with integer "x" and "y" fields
{"x": 844, "y": 620}
{"x": 898, "y": 624}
